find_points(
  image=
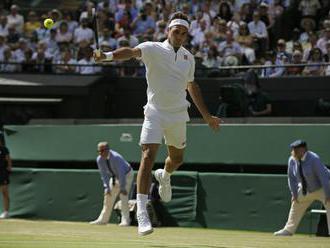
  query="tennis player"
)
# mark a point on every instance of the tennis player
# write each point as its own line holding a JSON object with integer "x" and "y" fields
{"x": 170, "y": 72}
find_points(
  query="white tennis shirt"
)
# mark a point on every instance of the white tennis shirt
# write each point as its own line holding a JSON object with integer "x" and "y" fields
{"x": 168, "y": 73}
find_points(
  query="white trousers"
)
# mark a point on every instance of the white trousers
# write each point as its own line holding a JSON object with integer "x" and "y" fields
{"x": 109, "y": 200}
{"x": 299, "y": 208}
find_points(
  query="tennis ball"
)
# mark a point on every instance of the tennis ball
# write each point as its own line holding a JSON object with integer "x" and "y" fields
{"x": 48, "y": 23}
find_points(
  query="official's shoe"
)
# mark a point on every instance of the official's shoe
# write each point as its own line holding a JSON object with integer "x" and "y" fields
{"x": 4, "y": 215}
{"x": 282, "y": 232}
{"x": 165, "y": 189}
{"x": 144, "y": 224}
{"x": 97, "y": 222}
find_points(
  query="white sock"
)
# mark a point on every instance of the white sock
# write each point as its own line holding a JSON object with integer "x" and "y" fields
{"x": 141, "y": 201}
{"x": 166, "y": 175}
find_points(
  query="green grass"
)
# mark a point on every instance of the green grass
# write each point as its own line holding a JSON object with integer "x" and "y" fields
{"x": 16, "y": 233}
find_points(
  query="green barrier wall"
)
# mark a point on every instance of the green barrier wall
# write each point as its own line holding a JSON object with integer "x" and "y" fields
{"x": 234, "y": 144}
{"x": 213, "y": 200}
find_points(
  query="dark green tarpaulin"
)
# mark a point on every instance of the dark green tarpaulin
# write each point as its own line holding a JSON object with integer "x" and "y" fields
{"x": 235, "y": 144}
{"x": 213, "y": 200}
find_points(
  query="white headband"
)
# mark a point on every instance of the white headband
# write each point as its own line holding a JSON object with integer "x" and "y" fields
{"x": 179, "y": 22}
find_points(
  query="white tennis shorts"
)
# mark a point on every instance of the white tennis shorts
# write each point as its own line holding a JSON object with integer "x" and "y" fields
{"x": 156, "y": 127}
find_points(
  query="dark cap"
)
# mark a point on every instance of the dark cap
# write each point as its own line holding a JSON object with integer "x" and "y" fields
{"x": 298, "y": 143}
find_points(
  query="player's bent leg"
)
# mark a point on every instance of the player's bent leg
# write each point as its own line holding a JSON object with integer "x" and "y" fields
{"x": 163, "y": 176}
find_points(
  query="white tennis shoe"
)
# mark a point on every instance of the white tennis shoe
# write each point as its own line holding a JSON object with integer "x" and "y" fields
{"x": 144, "y": 224}
{"x": 97, "y": 222}
{"x": 165, "y": 189}
{"x": 282, "y": 232}
{"x": 4, "y": 215}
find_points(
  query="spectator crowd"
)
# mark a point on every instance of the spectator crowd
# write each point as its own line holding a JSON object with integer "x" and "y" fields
{"x": 222, "y": 33}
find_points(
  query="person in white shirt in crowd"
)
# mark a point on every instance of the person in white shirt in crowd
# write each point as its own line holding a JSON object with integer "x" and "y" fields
{"x": 258, "y": 31}
{"x": 14, "y": 18}
{"x": 195, "y": 24}
{"x": 230, "y": 49}
{"x": 235, "y": 23}
{"x": 3, "y": 45}
{"x": 271, "y": 60}
{"x": 68, "y": 62}
{"x": 282, "y": 54}
{"x": 199, "y": 34}
{"x": 63, "y": 34}
{"x": 56, "y": 16}
{"x": 143, "y": 24}
{"x": 88, "y": 13}
{"x": 294, "y": 38}
{"x": 83, "y": 32}
{"x": 208, "y": 13}
{"x": 19, "y": 53}
{"x": 3, "y": 25}
{"x": 170, "y": 72}
{"x": 322, "y": 42}
{"x": 87, "y": 59}
{"x": 8, "y": 58}
{"x": 52, "y": 47}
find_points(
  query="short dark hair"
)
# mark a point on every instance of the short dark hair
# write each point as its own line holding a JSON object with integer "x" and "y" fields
{"x": 179, "y": 15}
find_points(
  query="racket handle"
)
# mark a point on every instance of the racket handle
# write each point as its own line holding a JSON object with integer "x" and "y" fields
{"x": 98, "y": 52}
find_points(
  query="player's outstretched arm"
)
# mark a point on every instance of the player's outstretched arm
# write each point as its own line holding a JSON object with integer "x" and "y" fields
{"x": 196, "y": 96}
{"x": 124, "y": 53}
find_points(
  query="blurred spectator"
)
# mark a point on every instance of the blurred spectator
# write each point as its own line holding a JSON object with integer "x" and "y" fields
{"x": 308, "y": 25}
{"x": 294, "y": 38}
{"x": 3, "y": 45}
{"x": 220, "y": 30}
{"x": 327, "y": 55}
{"x": 245, "y": 41}
{"x": 246, "y": 12}
{"x": 8, "y": 58}
{"x": 132, "y": 40}
{"x": 225, "y": 12}
{"x": 160, "y": 33}
{"x": 19, "y": 53}
{"x": 3, "y": 25}
{"x": 230, "y": 50}
{"x": 321, "y": 43}
{"x": 315, "y": 57}
{"x": 309, "y": 7}
{"x": 31, "y": 24}
{"x": 12, "y": 37}
{"x": 56, "y": 16}
{"x": 296, "y": 59}
{"x": 124, "y": 16}
{"x": 63, "y": 34}
{"x": 264, "y": 15}
{"x": 144, "y": 23}
{"x": 68, "y": 63}
{"x": 27, "y": 64}
{"x": 87, "y": 64}
{"x": 276, "y": 69}
{"x": 83, "y": 32}
{"x": 212, "y": 59}
{"x": 282, "y": 54}
{"x": 258, "y": 31}
{"x": 259, "y": 103}
{"x": 107, "y": 36}
{"x": 276, "y": 9}
{"x": 208, "y": 13}
{"x": 42, "y": 59}
{"x": 313, "y": 38}
{"x": 88, "y": 14}
{"x": 68, "y": 18}
{"x": 51, "y": 44}
{"x": 15, "y": 19}
{"x": 42, "y": 32}
{"x": 235, "y": 23}
{"x": 199, "y": 34}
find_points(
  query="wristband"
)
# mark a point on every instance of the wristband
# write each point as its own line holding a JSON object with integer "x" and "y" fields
{"x": 109, "y": 55}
